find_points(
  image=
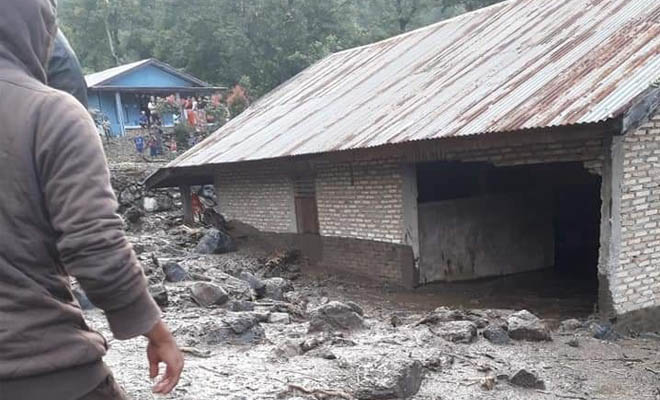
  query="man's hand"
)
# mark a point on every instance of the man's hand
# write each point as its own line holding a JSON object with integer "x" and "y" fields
{"x": 163, "y": 348}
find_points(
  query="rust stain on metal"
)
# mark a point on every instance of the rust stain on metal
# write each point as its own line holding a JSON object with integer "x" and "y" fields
{"x": 517, "y": 65}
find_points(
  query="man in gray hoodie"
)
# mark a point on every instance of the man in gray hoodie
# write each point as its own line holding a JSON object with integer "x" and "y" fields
{"x": 58, "y": 218}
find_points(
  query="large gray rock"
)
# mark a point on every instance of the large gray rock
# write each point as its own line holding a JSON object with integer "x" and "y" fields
{"x": 288, "y": 349}
{"x": 603, "y": 331}
{"x": 276, "y": 287}
{"x": 255, "y": 283}
{"x": 133, "y": 215}
{"x": 159, "y": 294}
{"x": 395, "y": 378}
{"x": 279, "y": 318}
{"x": 235, "y": 328}
{"x": 526, "y": 379}
{"x": 174, "y": 272}
{"x": 207, "y": 294}
{"x": 356, "y": 307}
{"x": 215, "y": 242}
{"x": 524, "y": 325}
{"x": 457, "y": 331}
{"x": 496, "y": 335}
{"x": 150, "y": 204}
{"x": 335, "y": 316}
{"x": 128, "y": 196}
{"x": 161, "y": 202}
{"x": 240, "y": 305}
{"x": 570, "y": 325}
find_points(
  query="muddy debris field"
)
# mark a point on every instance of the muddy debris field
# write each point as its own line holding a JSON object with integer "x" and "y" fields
{"x": 254, "y": 324}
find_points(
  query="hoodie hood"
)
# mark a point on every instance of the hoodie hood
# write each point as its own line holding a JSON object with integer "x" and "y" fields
{"x": 27, "y": 31}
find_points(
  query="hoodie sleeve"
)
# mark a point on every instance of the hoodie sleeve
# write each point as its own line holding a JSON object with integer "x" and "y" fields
{"x": 75, "y": 183}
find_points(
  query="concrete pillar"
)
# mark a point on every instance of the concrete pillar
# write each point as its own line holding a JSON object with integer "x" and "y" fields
{"x": 610, "y": 223}
{"x": 410, "y": 213}
{"x": 120, "y": 114}
{"x": 177, "y": 96}
{"x": 186, "y": 200}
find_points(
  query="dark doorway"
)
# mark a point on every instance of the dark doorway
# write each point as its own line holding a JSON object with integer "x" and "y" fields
{"x": 500, "y": 215}
{"x": 307, "y": 217}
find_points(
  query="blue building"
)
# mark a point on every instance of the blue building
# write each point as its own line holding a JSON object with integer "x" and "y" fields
{"x": 122, "y": 92}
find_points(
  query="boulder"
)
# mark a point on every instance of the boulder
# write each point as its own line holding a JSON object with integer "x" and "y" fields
{"x": 207, "y": 294}
{"x": 279, "y": 318}
{"x": 240, "y": 305}
{"x": 133, "y": 215}
{"x": 457, "y": 331}
{"x": 241, "y": 322}
{"x": 394, "y": 378}
{"x": 159, "y": 294}
{"x": 215, "y": 242}
{"x": 312, "y": 343}
{"x": 128, "y": 197}
{"x": 356, "y": 307}
{"x": 255, "y": 283}
{"x": 164, "y": 203}
{"x": 335, "y": 316}
{"x": 526, "y": 379}
{"x": 496, "y": 335}
{"x": 150, "y": 204}
{"x": 524, "y": 325}
{"x": 437, "y": 361}
{"x": 83, "y": 300}
{"x": 174, "y": 272}
{"x": 237, "y": 328}
{"x": 237, "y": 288}
{"x": 570, "y": 325}
{"x": 288, "y": 349}
{"x": 603, "y": 331}
{"x": 276, "y": 287}
{"x": 323, "y": 353}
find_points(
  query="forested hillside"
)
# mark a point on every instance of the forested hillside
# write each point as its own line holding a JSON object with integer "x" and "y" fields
{"x": 257, "y": 43}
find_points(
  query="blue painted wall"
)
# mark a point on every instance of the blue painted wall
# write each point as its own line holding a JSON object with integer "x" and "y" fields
{"x": 149, "y": 76}
{"x": 105, "y": 102}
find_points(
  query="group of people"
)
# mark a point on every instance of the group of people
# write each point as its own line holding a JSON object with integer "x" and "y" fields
{"x": 154, "y": 141}
{"x": 149, "y": 115}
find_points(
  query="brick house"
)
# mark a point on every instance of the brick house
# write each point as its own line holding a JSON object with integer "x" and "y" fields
{"x": 522, "y": 136}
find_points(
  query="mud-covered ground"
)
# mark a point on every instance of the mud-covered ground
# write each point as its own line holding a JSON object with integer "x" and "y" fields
{"x": 401, "y": 339}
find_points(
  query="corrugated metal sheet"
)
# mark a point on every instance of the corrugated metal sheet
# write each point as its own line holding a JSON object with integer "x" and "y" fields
{"x": 516, "y": 65}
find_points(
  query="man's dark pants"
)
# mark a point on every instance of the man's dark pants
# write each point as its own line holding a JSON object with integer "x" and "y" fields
{"x": 107, "y": 390}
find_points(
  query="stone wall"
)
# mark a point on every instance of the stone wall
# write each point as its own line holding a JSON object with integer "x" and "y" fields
{"x": 635, "y": 281}
{"x": 260, "y": 197}
{"x": 589, "y": 151}
{"x": 361, "y": 200}
{"x": 368, "y": 260}
{"x": 484, "y": 236}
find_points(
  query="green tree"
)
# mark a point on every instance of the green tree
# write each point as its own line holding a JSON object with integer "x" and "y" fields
{"x": 261, "y": 42}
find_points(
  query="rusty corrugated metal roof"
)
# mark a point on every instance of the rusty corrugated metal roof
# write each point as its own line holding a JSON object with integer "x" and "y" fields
{"x": 516, "y": 65}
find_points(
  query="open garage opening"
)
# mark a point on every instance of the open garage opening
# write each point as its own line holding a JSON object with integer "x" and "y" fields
{"x": 510, "y": 234}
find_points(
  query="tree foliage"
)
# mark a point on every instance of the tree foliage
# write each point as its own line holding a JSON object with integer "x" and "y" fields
{"x": 257, "y": 43}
